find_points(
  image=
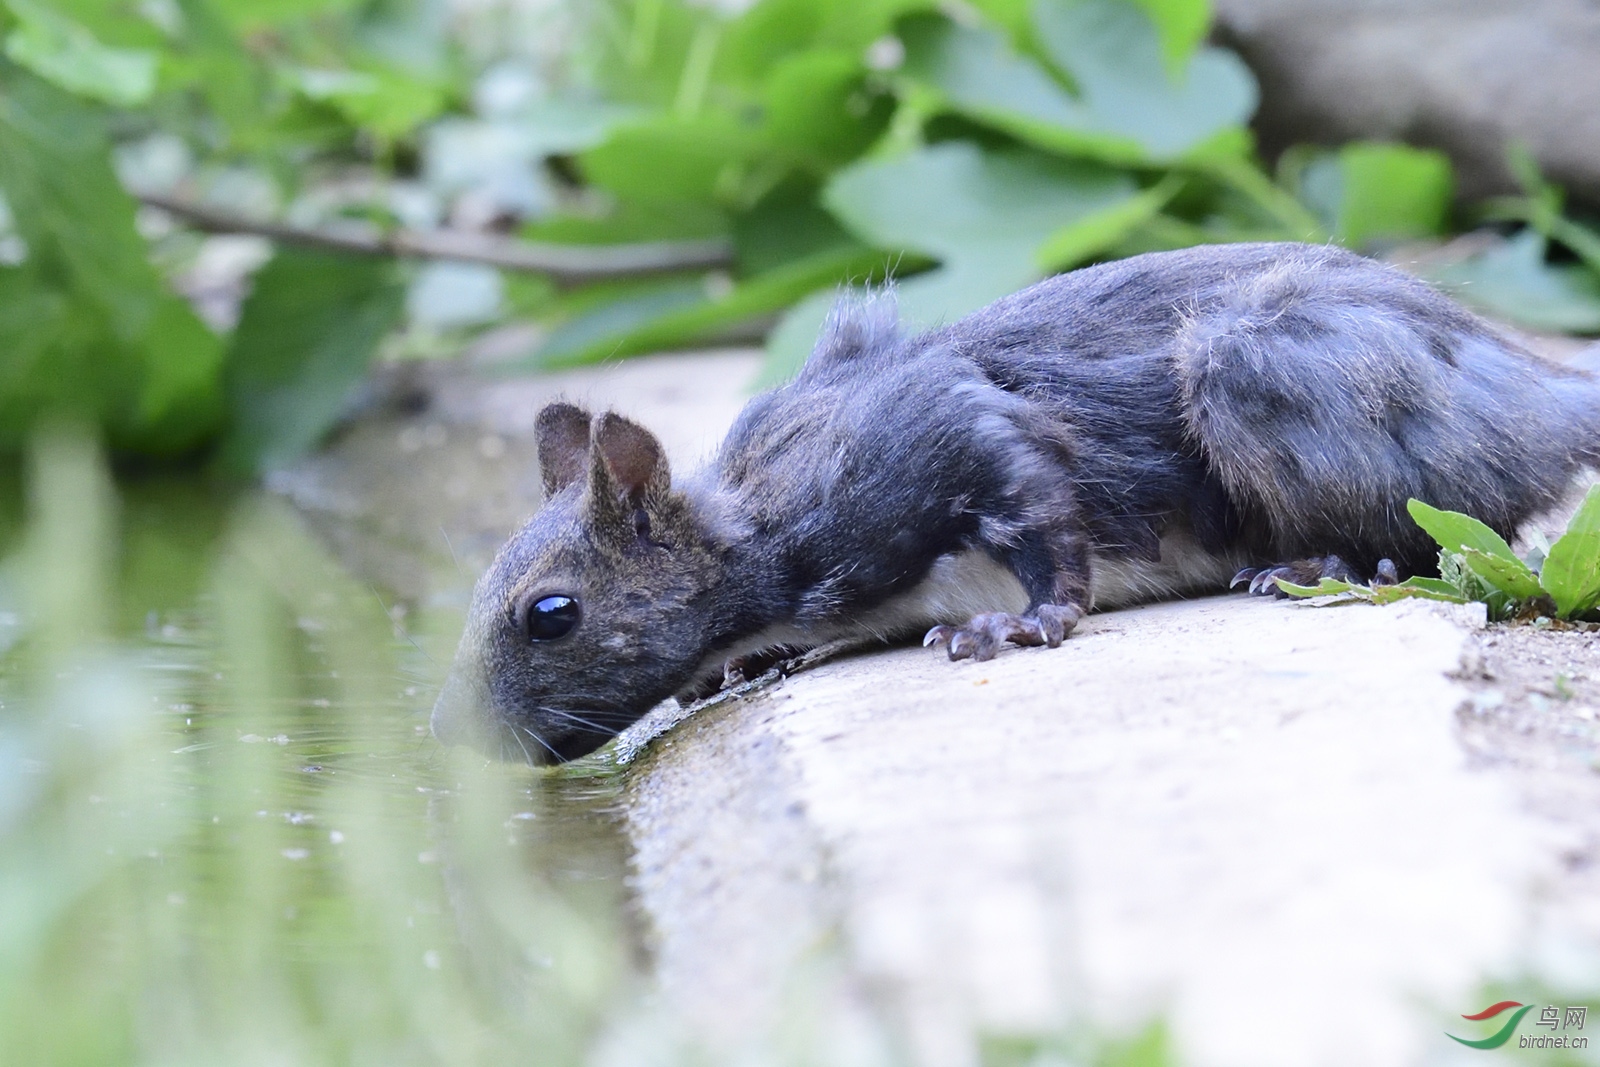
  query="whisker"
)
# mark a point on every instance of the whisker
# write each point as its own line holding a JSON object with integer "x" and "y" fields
{"x": 531, "y": 733}
{"x": 504, "y": 752}
{"x": 401, "y": 630}
{"x": 456, "y": 559}
{"x": 571, "y": 716}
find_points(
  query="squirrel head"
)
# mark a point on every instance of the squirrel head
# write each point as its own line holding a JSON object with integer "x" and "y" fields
{"x": 594, "y": 611}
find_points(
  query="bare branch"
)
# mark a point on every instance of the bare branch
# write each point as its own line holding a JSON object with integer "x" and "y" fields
{"x": 564, "y": 264}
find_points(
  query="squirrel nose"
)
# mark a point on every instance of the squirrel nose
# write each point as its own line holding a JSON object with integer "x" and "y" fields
{"x": 456, "y": 713}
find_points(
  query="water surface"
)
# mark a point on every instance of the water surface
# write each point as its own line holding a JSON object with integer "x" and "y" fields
{"x": 225, "y": 834}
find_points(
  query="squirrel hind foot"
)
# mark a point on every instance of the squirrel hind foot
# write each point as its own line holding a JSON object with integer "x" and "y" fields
{"x": 1263, "y": 581}
{"x": 984, "y": 635}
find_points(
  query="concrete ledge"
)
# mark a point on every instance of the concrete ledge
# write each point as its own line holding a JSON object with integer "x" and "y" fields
{"x": 1251, "y": 817}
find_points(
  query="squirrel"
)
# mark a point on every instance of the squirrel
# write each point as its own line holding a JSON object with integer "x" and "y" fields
{"x": 1147, "y": 428}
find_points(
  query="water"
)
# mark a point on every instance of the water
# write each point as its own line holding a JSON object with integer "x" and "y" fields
{"x": 225, "y": 834}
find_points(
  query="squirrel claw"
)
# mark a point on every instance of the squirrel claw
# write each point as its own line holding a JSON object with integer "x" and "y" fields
{"x": 736, "y": 671}
{"x": 984, "y": 634}
{"x": 1264, "y": 581}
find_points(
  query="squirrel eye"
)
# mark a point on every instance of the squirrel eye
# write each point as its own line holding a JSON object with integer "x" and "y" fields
{"x": 548, "y": 618}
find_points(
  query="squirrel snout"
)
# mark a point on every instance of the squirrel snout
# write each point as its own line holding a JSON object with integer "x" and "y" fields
{"x": 465, "y": 714}
{"x": 458, "y": 713}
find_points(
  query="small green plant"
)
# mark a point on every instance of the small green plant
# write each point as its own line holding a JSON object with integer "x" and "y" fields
{"x": 1475, "y": 564}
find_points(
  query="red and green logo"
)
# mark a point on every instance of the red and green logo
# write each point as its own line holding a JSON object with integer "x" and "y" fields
{"x": 1500, "y": 1036}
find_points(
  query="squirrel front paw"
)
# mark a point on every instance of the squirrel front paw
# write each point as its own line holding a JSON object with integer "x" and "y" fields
{"x": 983, "y": 635}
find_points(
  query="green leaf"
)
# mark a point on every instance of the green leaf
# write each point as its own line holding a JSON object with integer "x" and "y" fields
{"x": 61, "y": 51}
{"x": 668, "y": 160}
{"x": 1512, "y": 577}
{"x": 771, "y": 32}
{"x": 1436, "y": 586}
{"x": 1417, "y": 589}
{"x": 1455, "y": 573}
{"x": 1411, "y": 588}
{"x": 1571, "y": 573}
{"x": 786, "y": 225}
{"x": 642, "y": 59}
{"x": 1325, "y": 587}
{"x": 257, "y": 14}
{"x": 674, "y": 314}
{"x": 1127, "y": 109}
{"x": 1113, "y": 54}
{"x": 86, "y": 325}
{"x": 596, "y": 333}
{"x": 1583, "y": 241}
{"x": 216, "y": 66}
{"x": 628, "y": 222}
{"x": 1181, "y": 24}
{"x": 385, "y": 102}
{"x": 1392, "y": 191}
{"x": 1455, "y": 531}
{"x": 1513, "y": 281}
{"x": 983, "y": 215}
{"x": 976, "y": 72}
{"x": 1541, "y": 208}
{"x": 820, "y": 110}
{"x": 305, "y": 338}
{"x": 1078, "y": 242}
{"x": 1369, "y": 191}
{"x": 562, "y": 126}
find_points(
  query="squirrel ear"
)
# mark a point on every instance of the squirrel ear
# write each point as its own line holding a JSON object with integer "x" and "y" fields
{"x": 629, "y": 457}
{"x": 563, "y": 435}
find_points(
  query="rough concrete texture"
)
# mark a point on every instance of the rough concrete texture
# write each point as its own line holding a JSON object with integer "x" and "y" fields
{"x": 1467, "y": 76}
{"x": 1254, "y": 818}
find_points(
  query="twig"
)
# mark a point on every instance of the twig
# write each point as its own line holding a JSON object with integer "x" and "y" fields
{"x": 566, "y": 264}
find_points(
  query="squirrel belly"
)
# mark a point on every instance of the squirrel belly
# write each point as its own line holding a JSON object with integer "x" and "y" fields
{"x": 1136, "y": 430}
{"x": 962, "y": 585}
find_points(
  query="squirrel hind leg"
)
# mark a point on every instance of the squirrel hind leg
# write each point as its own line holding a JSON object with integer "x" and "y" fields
{"x": 1263, "y": 581}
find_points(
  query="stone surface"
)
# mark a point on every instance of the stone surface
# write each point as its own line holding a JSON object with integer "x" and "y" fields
{"x": 1252, "y": 818}
{"x": 1467, "y": 76}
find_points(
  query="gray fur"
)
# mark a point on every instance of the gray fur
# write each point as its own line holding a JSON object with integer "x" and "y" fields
{"x": 1248, "y": 402}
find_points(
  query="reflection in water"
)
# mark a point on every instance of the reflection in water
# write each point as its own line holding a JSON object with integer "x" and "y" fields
{"x": 225, "y": 835}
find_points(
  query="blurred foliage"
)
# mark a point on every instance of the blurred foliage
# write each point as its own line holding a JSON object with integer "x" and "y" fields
{"x": 963, "y": 152}
{"x": 222, "y": 839}
{"x": 304, "y": 338}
